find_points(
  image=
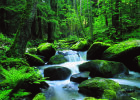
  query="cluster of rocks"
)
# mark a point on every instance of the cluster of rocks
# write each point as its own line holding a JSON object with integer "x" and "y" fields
{"x": 106, "y": 61}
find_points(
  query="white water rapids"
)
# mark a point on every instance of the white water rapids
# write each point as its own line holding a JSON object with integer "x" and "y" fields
{"x": 57, "y": 88}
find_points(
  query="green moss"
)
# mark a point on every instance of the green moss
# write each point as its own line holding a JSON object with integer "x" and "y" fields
{"x": 102, "y": 83}
{"x": 121, "y": 47}
{"x": 57, "y": 59}
{"x": 92, "y": 98}
{"x": 47, "y": 50}
{"x": 110, "y": 68}
{"x": 110, "y": 94}
{"x": 82, "y": 45}
{"x": 102, "y": 44}
{"x": 33, "y": 60}
{"x": 39, "y": 96}
{"x": 45, "y": 46}
{"x": 32, "y": 50}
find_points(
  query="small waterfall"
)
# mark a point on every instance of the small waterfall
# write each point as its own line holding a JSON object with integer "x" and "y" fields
{"x": 74, "y": 59}
{"x": 73, "y": 56}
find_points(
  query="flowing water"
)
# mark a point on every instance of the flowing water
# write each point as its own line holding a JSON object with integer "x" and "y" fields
{"x": 66, "y": 90}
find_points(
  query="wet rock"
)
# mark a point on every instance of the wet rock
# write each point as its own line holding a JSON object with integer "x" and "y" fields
{"x": 103, "y": 68}
{"x": 99, "y": 88}
{"x": 96, "y": 50}
{"x": 136, "y": 61}
{"x": 57, "y": 73}
{"x": 33, "y": 60}
{"x": 71, "y": 87}
{"x": 127, "y": 92}
{"x": 123, "y": 52}
{"x": 57, "y": 59}
{"x": 47, "y": 50}
{"x": 81, "y": 46}
{"x": 80, "y": 77}
{"x": 32, "y": 50}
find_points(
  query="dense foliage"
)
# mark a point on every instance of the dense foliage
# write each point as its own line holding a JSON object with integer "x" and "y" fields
{"x": 27, "y": 23}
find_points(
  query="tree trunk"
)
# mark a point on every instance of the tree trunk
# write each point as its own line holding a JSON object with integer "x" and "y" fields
{"x": 3, "y": 14}
{"x": 115, "y": 17}
{"x": 91, "y": 21}
{"x": 40, "y": 35}
{"x": 18, "y": 48}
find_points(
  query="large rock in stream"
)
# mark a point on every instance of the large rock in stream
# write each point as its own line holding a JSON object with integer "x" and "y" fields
{"x": 80, "y": 77}
{"x": 57, "y": 59}
{"x": 124, "y": 52}
{"x": 57, "y": 73}
{"x": 99, "y": 88}
{"x": 103, "y": 68}
{"x": 47, "y": 50}
{"x": 33, "y": 60}
{"x": 96, "y": 50}
{"x": 81, "y": 46}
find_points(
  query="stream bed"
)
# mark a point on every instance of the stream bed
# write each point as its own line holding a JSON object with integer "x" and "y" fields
{"x": 67, "y": 90}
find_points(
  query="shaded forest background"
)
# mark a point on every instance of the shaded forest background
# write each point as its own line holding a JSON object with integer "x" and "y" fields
{"x": 52, "y": 20}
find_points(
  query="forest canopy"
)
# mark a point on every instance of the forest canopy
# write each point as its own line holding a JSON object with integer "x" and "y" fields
{"x": 96, "y": 20}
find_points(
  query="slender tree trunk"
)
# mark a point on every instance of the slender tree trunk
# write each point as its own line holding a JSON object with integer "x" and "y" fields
{"x": 115, "y": 17}
{"x": 3, "y": 14}
{"x": 105, "y": 14}
{"x": 24, "y": 32}
{"x": 91, "y": 21}
{"x": 40, "y": 34}
{"x": 52, "y": 25}
{"x": 79, "y": 16}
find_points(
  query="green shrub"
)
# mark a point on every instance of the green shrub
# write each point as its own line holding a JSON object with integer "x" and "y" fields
{"x": 39, "y": 96}
{"x": 15, "y": 81}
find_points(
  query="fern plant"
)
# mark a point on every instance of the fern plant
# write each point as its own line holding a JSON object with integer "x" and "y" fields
{"x": 14, "y": 80}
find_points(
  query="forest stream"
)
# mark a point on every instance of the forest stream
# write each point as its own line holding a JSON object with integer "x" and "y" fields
{"x": 67, "y": 90}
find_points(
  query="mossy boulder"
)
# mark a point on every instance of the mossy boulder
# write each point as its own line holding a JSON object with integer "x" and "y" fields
{"x": 39, "y": 96}
{"x": 99, "y": 88}
{"x": 81, "y": 46}
{"x": 32, "y": 50}
{"x": 136, "y": 61}
{"x": 103, "y": 68}
{"x": 57, "y": 59}
{"x": 123, "y": 52}
{"x": 47, "y": 50}
{"x": 80, "y": 77}
{"x": 57, "y": 73}
{"x": 96, "y": 50}
{"x": 13, "y": 62}
{"x": 33, "y": 60}
{"x": 92, "y": 98}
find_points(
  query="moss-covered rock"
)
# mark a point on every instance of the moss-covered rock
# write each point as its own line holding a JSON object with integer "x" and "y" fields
{"x": 96, "y": 49}
{"x": 80, "y": 77}
{"x": 103, "y": 68}
{"x": 99, "y": 88}
{"x": 123, "y": 52}
{"x": 46, "y": 49}
{"x": 13, "y": 62}
{"x": 39, "y": 96}
{"x": 57, "y": 73}
{"x": 33, "y": 60}
{"x": 81, "y": 46}
{"x": 57, "y": 59}
{"x": 92, "y": 98}
{"x": 32, "y": 50}
{"x": 136, "y": 61}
